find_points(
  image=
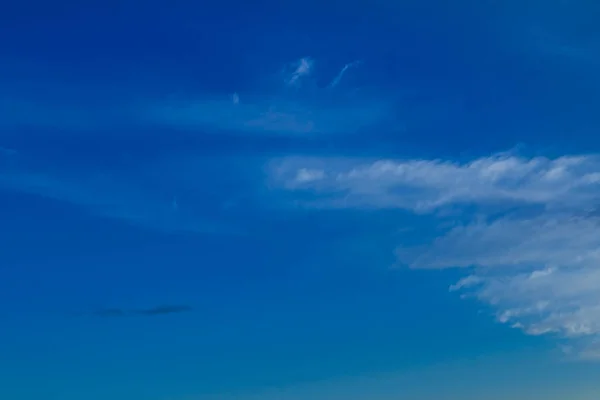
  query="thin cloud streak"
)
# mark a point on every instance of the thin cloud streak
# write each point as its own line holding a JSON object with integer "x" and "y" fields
{"x": 303, "y": 67}
{"x": 124, "y": 196}
{"x": 336, "y": 81}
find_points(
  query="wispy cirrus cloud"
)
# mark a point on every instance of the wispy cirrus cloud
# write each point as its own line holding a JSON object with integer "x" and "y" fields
{"x": 531, "y": 248}
{"x": 277, "y": 109}
{"x": 301, "y": 68}
{"x": 159, "y": 196}
{"x": 338, "y": 78}
{"x": 273, "y": 115}
{"x": 292, "y": 104}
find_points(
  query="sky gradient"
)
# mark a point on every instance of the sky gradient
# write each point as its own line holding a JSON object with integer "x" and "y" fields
{"x": 300, "y": 200}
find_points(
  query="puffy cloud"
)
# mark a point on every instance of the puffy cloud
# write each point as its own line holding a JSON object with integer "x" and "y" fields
{"x": 541, "y": 274}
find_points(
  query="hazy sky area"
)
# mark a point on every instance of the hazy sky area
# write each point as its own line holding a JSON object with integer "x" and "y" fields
{"x": 276, "y": 200}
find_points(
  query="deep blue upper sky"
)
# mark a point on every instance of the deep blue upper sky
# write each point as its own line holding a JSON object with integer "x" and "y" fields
{"x": 299, "y": 200}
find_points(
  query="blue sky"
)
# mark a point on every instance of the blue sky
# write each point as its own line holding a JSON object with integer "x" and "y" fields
{"x": 300, "y": 200}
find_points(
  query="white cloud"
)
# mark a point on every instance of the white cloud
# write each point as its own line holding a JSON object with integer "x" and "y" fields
{"x": 546, "y": 240}
{"x": 308, "y": 175}
{"x": 541, "y": 274}
{"x": 425, "y": 185}
{"x": 534, "y": 257}
{"x": 563, "y": 300}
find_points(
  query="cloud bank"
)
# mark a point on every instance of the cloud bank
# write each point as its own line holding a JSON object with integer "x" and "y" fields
{"x": 526, "y": 229}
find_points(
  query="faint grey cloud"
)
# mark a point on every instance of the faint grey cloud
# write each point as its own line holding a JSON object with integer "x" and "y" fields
{"x": 276, "y": 114}
{"x": 6, "y": 152}
{"x": 282, "y": 121}
{"x": 149, "y": 312}
{"x": 163, "y": 310}
{"x": 109, "y": 312}
{"x": 64, "y": 112}
{"x": 120, "y": 195}
{"x": 583, "y": 52}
